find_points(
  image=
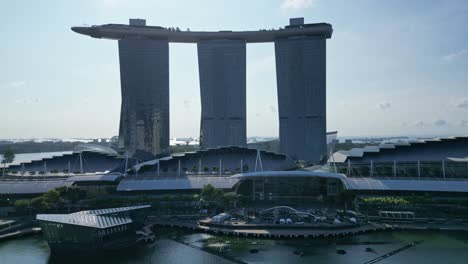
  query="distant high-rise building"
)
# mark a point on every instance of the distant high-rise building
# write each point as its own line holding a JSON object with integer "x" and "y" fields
{"x": 222, "y": 70}
{"x": 144, "y": 77}
{"x": 301, "y": 82}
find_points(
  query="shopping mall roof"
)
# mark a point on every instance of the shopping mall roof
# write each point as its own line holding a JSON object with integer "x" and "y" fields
{"x": 422, "y": 149}
{"x": 200, "y": 154}
{"x": 30, "y": 187}
{"x": 188, "y": 183}
{"x": 30, "y": 157}
{"x": 295, "y": 173}
{"x": 373, "y": 184}
{"x": 38, "y": 186}
{"x": 107, "y": 177}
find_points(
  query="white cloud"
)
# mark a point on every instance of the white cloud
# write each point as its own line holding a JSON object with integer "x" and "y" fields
{"x": 420, "y": 124}
{"x": 455, "y": 55}
{"x": 384, "y": 105}
{"x": 17, "y": 84}
{"x": 440, "y": 123}
{"x": 297, "y": 4}
{"x": 272, "y": 108}
{"x": 27, "y": 100}
{"x": 463, "y": 123}
{"x": 462, "y": 103}
{"x": 85, "y": 100}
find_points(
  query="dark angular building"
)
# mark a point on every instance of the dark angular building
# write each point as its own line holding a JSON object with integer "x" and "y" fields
{"x": 222, "y": 70}
{"x": 301, "y": 82}
{"x": 144, "y": 76}
{"x": 94, "y": 231}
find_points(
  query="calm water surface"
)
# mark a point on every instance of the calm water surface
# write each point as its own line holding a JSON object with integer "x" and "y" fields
{"x": 435, "y": 247}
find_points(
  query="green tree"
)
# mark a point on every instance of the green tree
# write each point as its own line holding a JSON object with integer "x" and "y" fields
{"x": 38, "y": 204}
{"x": 22, "y": 206}
{"x": 211, "y": 195}
{"x": 72, "y": 194}
{"x": 51, "y": 197}
{"x": 7, "y": 157}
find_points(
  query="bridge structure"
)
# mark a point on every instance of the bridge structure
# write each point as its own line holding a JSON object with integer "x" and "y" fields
{"x": 300, "y": 51}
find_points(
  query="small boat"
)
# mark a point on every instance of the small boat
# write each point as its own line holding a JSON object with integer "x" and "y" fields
{"x": 222, "y": 249}
{"x": 253, "y": 250}
{"x": 298, "y": 253}
{"x": 369, "y": 249}
{"x": 341, "y": 251}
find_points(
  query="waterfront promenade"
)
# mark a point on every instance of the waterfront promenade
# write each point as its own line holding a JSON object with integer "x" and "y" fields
{"x": 280, "y": 232}
{"x": 21, "y": 232}
{"x": 300, "y": 231}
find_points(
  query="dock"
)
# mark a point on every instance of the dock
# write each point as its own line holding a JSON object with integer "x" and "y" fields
{"x": 20, "y": 232}
{"x": 283, "y": 232}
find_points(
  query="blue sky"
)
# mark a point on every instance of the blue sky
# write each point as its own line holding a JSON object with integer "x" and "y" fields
{"x": 393, "y": 67}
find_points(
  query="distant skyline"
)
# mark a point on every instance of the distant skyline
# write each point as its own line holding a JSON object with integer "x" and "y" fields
{"x": 393, "y": 67}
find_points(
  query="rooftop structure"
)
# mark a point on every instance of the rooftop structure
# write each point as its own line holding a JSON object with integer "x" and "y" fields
{"x": 87, "y": 160}
{"x": 26, "y": 186}
{"x": 271, "y": 185}
{"x": 221, "y": 161}
{"x": 426, "y": 158}
{"x": 88, "y": 220}
{"x": 31, "y": 187}
{"x": 181, "y": 184}
{"x": 110, "y": 211}
{"x": 121, "y": 31}
{"x": 434, "y": 149}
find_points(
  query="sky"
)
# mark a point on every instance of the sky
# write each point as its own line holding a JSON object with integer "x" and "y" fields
{"x": 394, "y": 67}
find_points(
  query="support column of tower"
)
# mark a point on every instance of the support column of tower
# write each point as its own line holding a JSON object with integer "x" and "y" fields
{"x": 144, "y": 76}
{"x": 222, "y": 70}
{"x": 301, "y": 83}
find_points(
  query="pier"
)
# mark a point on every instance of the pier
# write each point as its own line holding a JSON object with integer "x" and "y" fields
{"x": 20, "y": 232}
{"x": 283, "y": 232}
